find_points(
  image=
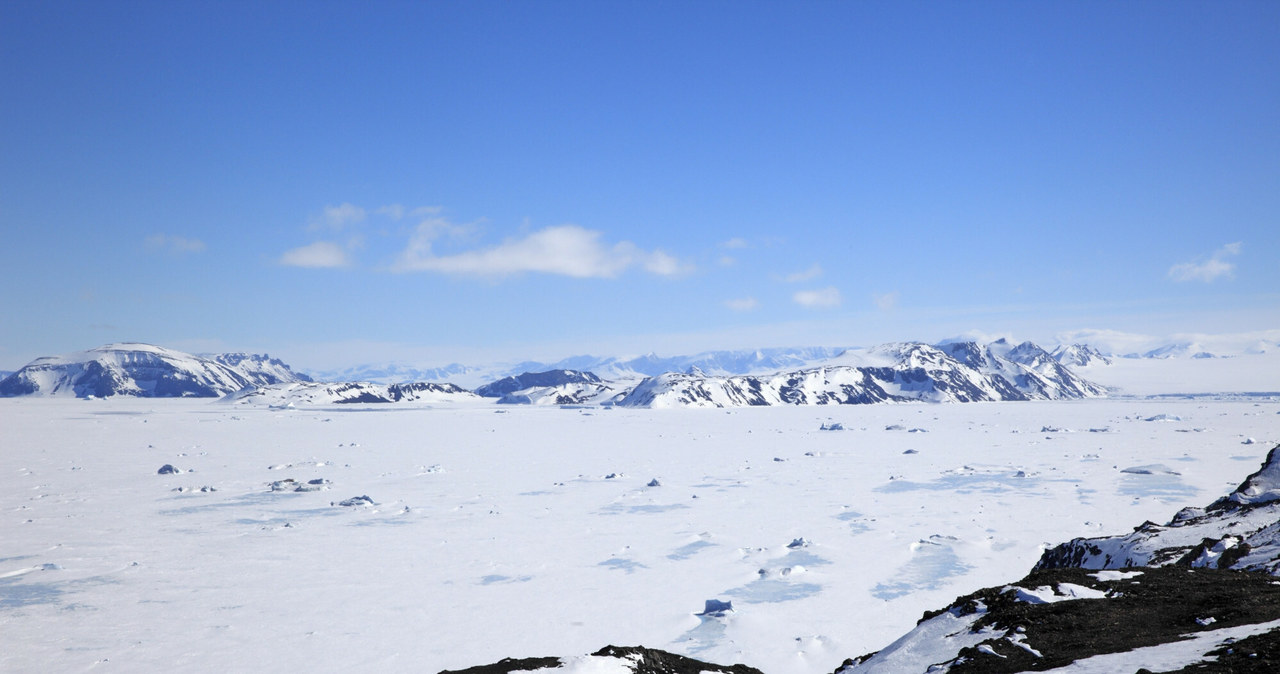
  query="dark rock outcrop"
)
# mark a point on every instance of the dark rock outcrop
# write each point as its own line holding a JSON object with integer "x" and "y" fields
{"x": 644, "y": 661}
{"x": 528, "y": 380}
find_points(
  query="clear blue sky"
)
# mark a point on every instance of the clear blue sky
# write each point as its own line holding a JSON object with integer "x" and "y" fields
{"x": 346, "y": 182}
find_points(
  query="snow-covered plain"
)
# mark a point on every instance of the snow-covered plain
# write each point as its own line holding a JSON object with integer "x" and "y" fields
{"x": 512, "y": 531}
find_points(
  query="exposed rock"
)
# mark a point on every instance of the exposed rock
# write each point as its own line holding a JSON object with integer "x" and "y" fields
{"x": 1002, "y": 632}
{"x": 641, "y": 661}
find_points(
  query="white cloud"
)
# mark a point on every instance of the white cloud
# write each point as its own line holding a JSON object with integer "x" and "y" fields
{"x": 886, "y": 301}
{"x": 174, "y": 244}
{"x": 566, "y": 250}
{"x": 662, "y": 264}
{"x": 809, "y": 274}
{"x": 726, "y": 261}
{"x": 337, "y": 218}
{"x": 978, "y": 336}
{"x": 742, "y": 304}
{"x": 399, "y": 211}
{"x": 734, "y": 243}
{"x": 817, "y": 299}
{"x": 393, "y": 211}
{"x": 1209, "y": 270}
{"x": 319, "y": 255}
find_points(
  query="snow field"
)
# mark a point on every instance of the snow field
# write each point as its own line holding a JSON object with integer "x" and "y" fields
{"x": 497, "y": 531}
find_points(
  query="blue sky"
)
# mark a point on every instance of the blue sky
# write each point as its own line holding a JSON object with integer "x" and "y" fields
{"x": 340, "y": 183}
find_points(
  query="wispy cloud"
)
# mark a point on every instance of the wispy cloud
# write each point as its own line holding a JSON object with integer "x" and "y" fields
{"x": 337, "y": 218}
{"x": 886, "y": 301}
{"x": 1208, "y": 270}
{"x": 742, "y": 304}
{"x": 393, "y": 211}
{"x": 565, "y": 250}
{"x": 318, "y": 255}
{"x": 813, "y": 272}
{"x": 735, "y": 243}
{"x": 399, "y": 211}
{"x": 821, "y": 298}
{"x": 173, "y": 244}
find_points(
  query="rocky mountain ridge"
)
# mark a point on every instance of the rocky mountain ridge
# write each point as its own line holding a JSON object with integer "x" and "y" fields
{"x": 954, "y": 372}
{"x": 908, "y": 372}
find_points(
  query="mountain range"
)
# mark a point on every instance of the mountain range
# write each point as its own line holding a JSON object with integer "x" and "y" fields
{"x": 955, "y": 372}
{"x": 952, "y": 372}
{"x": 737, "y": 362}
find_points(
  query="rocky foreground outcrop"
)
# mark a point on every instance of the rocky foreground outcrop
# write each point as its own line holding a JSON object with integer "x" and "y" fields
{"x": 1239, "y": 531}
{"x": 633, "y": 659}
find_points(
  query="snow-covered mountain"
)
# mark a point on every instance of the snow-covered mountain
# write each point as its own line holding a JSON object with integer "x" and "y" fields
{"x": 611, "y": 368}
{"x": 261, "y": 369}
{"x": 555, "y": 387}
{"x": 717, "y": 363}
{"x": 579, "y": 393}
{"x": 315, "y": 393}
{"x": 1179, "y": 350}
{"x": 528, "y": 380}
{"x": 956, "y": 372}
{"x": 1079, "y": 355}
{"x": 144, "y": 370}
{"x": 395, "y": 373}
